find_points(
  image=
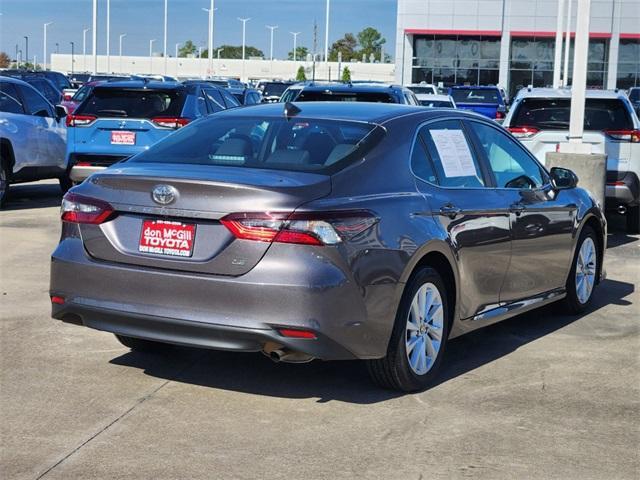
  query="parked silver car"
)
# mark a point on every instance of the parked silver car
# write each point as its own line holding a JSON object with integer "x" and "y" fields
{"x": 326, "y": 230}
{"x": 32, "y": 137}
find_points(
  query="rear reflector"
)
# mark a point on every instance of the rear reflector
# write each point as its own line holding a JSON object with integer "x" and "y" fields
{"x": 632, "y": 136}
{"x": 294, "y": 333}
{"x": 80, "y": 209}
{"x": 616, "y": 184}
{"x": 80, "y": 120}
{"x": 321, "y": 228}
{"x": 57, "y": 300}
{"x": 170, "y": 122}
{"x": 523, "y": 132}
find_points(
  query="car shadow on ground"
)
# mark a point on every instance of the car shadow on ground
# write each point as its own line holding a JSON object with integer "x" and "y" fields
{"x": 23, "y": 196}
{"x": 347, "y": 381}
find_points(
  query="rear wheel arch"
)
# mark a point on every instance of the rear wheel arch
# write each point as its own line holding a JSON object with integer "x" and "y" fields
{"x": 7, "y": 155}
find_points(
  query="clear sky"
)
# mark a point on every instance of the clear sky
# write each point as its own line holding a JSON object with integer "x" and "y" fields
{"x": 142, "y": 20}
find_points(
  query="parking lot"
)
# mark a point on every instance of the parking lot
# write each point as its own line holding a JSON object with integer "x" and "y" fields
{"x": 538, "y": 396}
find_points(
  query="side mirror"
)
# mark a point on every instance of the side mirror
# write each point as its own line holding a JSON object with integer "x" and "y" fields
{"x": 563, "y": 178}
{"x": 61, "y": 111}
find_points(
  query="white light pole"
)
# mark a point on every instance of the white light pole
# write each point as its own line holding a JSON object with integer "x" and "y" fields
{"x": 210, "y": 11}
{"x": 579, "y": 82}
{"x": 326, "y": 35}
{"x": 219, "y": 50}
{"x": 84, "y": 48}
{"x": 177, "y": 46}
{"x": 151, "y": 55}
{"x": 122, "y": 35}
{"x": 94, "y": 35}
{"x": 244, "y": 37}
{"x": 44, "y": 50}
{"x": 272, "y": 28}
{"x": 567, "y": 46}
{"x": 295, "y": 43}
{"x": 108, "y": 35}
{"x": 164, "y": 47}
{"x": 557, "y": 59}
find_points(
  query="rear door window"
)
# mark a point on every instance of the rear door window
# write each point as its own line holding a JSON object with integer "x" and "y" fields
{"x": 216, "y": 103}
{"x": 229, "y": 99}
{"x": 452, "y": 155}
{"x": 35, "y": 102}
{"x": 9, "y": 99}
{"x": 130, "y": 103}
{"x": 554, "y": 113}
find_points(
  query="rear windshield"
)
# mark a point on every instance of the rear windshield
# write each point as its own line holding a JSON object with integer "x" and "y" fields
{"x": 274, "y": 89}
{"x": 548, "y": 113}
{"x": 435, "y": 103}
{"x": 634, "y": 94}
{"x": 112, "y": 102}
{"x": 475, "y": 95}
{"x": 427, "y": 90}
{"x": 329, "y": 96}
{"x": 299, "y": 144}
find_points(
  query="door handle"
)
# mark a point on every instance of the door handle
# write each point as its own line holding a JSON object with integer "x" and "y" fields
{"x": 517, "y": 208}
{"x": 450, "y": 211}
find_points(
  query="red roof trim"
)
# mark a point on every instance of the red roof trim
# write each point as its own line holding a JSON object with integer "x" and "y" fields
{"x": 553, "y": 34}
{"x": 464, "y": 33}
{"x": 630, "y": 35}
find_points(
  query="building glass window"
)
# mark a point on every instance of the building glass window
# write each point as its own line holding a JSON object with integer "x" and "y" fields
{"x": 531, "y": 63}
{"x": 628, "y": 63}
{"x": 456, "y": 60}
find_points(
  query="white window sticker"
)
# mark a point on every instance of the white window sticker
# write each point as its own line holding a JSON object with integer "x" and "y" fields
{"x": 454, "y": 153}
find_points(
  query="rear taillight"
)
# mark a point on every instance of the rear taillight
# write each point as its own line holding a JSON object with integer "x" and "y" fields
{"x": 80, "y": 209}
{"x": 499, "y": 115}
{"x": 632, "y": 136}
{"x": 523, "y": 132}
{"x": 80, "y": 120}
{"x": 170, "y": 122}
{"x": 57, "y": 300}
{"x": 323, "y": 228}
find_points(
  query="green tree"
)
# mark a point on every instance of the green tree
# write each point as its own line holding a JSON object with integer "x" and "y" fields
{"x": 301, "y": 76}
{"x": 347, "y": 45}
{"x": 346, "y": 75}
{"x": 232, "y": 51}
{"x": 189, "y": 48}
{"x": 4, "y": 60}
{"x": 370, "y": 41}
{"x": 301, "y": 53}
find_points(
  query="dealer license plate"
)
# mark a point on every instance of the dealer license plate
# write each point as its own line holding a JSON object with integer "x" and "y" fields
{"x": 164, "y": 237}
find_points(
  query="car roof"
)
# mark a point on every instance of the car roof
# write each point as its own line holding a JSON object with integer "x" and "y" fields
{"x": 566, "y": 93}
{"x": 14, "y": 80}
{"x": 432, "y": 96}
{"x": 354, "y": 87}
{"x": 475, "y": 87}
{"x": 376, "y": 113}
{"x": 142, "y": 84}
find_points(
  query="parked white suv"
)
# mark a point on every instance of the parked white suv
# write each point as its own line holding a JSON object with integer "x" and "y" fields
{"x": 539, "y": 117}
{"x": 33, "y": 137}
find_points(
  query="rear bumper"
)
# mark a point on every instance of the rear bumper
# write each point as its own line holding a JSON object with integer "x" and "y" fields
{"x": 290, "y": 287}
{"x": 80, "y": 173}
{"x": 623, "y": 188}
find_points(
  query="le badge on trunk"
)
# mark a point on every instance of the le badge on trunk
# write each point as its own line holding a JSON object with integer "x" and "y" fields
{"x": 164, "y": 194}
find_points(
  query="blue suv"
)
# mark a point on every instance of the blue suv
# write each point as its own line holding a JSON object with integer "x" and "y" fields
{"x": 121, "y": 118}
{"x": 485, "y": 100}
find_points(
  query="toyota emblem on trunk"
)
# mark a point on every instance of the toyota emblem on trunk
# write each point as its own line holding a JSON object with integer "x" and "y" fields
{"x": 164, "y": 194}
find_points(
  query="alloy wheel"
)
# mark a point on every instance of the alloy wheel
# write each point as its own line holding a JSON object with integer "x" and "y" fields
{"x": 424, "y": 328}
{"x": 586, "y": 270}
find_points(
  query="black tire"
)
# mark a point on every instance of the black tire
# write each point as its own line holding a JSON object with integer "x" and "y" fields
{"x": 65, "y": 183}
{"x": 633, "y": 219}
{"x": 572, "y": 305}
{"x": 393, "y": 371}
{"x": 4, "y": 182}
{"x": 142, "y": 346}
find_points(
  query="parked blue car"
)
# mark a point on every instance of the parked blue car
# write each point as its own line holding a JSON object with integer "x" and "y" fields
{"x": 487, "y": 101}
{"x": 121, "y": 118}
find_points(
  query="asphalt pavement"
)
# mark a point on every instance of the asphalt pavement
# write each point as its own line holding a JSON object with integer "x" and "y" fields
{"x": 542, "y": 395}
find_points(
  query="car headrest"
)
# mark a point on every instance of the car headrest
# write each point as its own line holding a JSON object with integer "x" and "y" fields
{"x": 233, "y": 151}
{"x": 339, "y": 152}
{"x": 291, "y": 157}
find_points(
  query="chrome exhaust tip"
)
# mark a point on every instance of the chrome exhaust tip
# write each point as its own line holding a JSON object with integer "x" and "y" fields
{"x": 622, "y": 210}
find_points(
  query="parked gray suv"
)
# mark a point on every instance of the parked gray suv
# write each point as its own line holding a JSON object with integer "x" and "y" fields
{"x": 328, "y": 231}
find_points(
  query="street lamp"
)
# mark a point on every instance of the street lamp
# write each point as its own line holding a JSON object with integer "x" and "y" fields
{"x": 122, "y": 35}
{"x": 210, "y": 11}
{"x": 26, "y": 48}
{"x": 272, "y": 28}
{"x": 84, "y": 48}
{"x": 151, "y": 55}
{"x": 44, "y": 50}
{"x": 57, "y": 47}
{"x": 164, "y": 47}
{"x": 72, "y": 52}
{"x": 177, "y": 45}
{"x": 108, "y": 35}
{"x": 326, "y": 36}
{"x": 94, "y": 36}
{"x": 219, "y": 50}
{"x": 295, "y": 43}
{"x": 244, "y": 37}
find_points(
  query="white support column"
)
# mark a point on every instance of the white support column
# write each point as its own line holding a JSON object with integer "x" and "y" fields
{"x": 567, "y": 46}
{"x": 579, "y": 82}
{"x": 614, "y": 47}
{"x": 94, "y": 35}
{"x": 557, "y": 59}
{"x": 505, "y": 48}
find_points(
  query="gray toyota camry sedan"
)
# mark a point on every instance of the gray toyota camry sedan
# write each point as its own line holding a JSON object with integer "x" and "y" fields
{"x": 326, "y": 231}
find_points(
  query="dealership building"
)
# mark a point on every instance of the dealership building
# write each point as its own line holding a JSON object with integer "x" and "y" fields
{"x": 511, "y": 42}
